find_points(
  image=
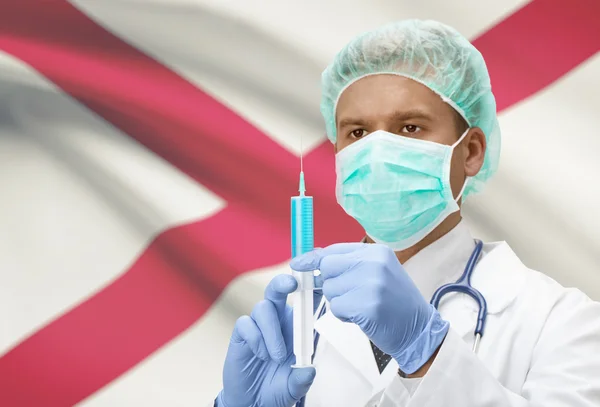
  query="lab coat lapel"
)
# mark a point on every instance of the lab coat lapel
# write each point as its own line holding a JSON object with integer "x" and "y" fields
{"x": 497, "y": 277}
{"x": 352, "y": 344}
{"x": 461, "y": 317}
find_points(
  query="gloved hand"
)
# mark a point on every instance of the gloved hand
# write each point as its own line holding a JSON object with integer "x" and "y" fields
{"x": 365, "y": 284}
{"x": 257, "y": 368}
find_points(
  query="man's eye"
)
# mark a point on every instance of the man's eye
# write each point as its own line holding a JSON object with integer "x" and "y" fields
{"x": 410, "y": 128}
{"x": 358, "y": 133}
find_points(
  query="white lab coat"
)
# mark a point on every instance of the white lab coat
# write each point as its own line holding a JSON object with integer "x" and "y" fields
{"x": 541, "y": 347}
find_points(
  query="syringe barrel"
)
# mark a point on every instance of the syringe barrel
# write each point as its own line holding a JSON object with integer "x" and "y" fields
{"x": 302, "y": 242}
{"x": 302, "y": 225}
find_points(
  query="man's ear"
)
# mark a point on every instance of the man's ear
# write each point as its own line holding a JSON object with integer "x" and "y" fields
{"x": 475, "y": 146}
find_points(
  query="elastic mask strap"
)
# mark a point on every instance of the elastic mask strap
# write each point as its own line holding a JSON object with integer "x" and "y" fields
{"x": 462, "y": 189}
{"x": 461, "y": 138}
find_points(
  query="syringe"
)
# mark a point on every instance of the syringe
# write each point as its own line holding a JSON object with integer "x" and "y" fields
{"x": 302, "y": 242}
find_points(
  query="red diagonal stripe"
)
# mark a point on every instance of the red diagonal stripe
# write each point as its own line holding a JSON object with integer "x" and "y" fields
{"x": 538, "y": 44}
{"x": 103, "y": 337}
{"x": 178, "y": 277}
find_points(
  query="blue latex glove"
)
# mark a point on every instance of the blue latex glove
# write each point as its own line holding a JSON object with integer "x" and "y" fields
{"x": 257, "y": 368}
{"x": 365, "y": 284}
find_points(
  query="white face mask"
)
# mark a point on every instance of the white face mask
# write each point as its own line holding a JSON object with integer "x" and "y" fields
{"x": 397, "y": 188}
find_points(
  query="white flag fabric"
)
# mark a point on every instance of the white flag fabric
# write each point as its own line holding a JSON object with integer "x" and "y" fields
{"x": 148, "y": 149}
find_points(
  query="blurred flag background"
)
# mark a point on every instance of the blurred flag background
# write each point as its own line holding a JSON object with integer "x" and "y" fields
{"x": 148, "y": 150}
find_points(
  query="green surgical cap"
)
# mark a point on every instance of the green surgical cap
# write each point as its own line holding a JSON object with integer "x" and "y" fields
{"x": 428, "y": 52}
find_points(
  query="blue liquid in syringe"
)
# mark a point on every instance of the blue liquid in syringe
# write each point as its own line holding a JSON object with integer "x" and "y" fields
{"x": 302, "y": 222}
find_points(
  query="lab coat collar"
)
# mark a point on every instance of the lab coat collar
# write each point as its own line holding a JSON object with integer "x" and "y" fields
{"x": 441, "y": 262}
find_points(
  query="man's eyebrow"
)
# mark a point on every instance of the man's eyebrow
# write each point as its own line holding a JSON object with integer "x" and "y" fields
{"x": 411, "y": 114}
{"x": 399, "y": 115}
{"x": 350, "y": 121}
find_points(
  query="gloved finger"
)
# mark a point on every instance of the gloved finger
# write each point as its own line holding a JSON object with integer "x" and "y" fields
{"x": 312, "y": 260}
{"x": 337, "y": 264}
{"x": 278, "y": 289}
{"x": 346, "y": 307}
{"x": 246, "y": 331}
{"x": 300, "y": 380}
{"x": 266, "y": 318}
{"x": 351, "y": 280}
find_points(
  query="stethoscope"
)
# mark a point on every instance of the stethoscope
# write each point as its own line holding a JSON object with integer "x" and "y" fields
{"x": 462, "y": 285}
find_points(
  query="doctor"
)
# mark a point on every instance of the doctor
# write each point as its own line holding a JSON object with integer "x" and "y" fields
{"x": 411, "y": 113}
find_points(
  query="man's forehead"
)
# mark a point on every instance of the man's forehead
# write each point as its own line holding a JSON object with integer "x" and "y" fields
{"x": 387, "y": 95}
